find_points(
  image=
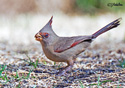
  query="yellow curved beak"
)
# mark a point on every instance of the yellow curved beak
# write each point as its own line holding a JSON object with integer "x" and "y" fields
{"x": 38, "y": 37}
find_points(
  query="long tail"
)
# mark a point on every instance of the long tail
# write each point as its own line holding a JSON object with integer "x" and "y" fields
{"x": 107, "y": 27}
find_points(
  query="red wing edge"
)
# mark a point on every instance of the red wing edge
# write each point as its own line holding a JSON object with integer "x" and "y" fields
{"x": 74, "y": 44}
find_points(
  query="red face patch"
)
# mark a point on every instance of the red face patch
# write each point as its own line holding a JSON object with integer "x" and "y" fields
{"x": 46, "y": 35}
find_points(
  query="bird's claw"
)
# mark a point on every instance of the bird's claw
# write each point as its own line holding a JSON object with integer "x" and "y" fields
{"x": 62, "y": 73}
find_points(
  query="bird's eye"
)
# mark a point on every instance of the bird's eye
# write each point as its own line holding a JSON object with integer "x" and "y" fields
{"x": 46, "y": 35}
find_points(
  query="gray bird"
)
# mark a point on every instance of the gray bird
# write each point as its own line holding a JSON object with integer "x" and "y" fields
{"x": 66, "y": 49}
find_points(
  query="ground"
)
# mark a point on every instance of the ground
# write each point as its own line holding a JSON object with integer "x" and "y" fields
{"x": 99, "y": 66}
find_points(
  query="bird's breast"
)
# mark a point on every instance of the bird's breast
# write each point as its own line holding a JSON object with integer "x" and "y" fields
{"x": 50, "y": 54}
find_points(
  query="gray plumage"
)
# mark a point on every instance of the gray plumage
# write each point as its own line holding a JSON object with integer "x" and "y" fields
{"x": 66, "y": 49}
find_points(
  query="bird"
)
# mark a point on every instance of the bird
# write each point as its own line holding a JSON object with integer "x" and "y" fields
{"x": 67, "y": 49}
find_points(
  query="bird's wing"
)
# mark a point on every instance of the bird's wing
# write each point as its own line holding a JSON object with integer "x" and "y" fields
{"x": 65, "y": 43}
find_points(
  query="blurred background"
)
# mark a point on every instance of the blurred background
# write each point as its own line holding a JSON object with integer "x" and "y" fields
{"x": 20, "y": 20}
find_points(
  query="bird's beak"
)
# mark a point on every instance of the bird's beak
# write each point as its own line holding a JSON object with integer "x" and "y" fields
{"x": 38, "y": 37}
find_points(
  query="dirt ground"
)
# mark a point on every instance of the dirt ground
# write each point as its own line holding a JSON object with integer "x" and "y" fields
{"x": 98, "y": 66}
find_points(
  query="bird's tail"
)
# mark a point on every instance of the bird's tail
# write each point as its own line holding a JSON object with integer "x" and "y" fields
{"x": 107, "y": 27}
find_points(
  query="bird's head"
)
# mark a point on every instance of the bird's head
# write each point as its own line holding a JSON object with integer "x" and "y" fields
{"x": 46, "y": 34}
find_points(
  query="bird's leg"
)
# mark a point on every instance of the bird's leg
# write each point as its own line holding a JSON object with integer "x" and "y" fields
{"x": 67, "y": 68}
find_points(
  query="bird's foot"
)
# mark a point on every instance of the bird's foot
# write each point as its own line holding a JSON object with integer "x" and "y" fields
{"x": 64, "y": 71}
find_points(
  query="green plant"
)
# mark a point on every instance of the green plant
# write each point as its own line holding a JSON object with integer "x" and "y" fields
{"x": 122, "y": 63}
{"x": 34, "y": 64}
{"x": 59, "y": 65}
{"x": 44, "y": 62}
{"x": 17, "y": 76}
{"x": 23, "y": 77}
{"x": 54, "y": 63}
{"x": 2, "y": 69}
{"x": 27, "y": 75}
{"x": 4, "y": 76}
{"x": 105, "y": 81}
{"x": 18, "y": 86}
{"x": 81, "y": 84}
{"x": 99, "y": 83}
{"x": 118, "y": 84}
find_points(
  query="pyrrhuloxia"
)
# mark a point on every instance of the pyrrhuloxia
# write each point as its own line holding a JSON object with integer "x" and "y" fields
{"x": 66, "y": 49}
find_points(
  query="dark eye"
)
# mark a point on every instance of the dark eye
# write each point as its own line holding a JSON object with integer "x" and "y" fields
{"x": 46, "y": 35}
